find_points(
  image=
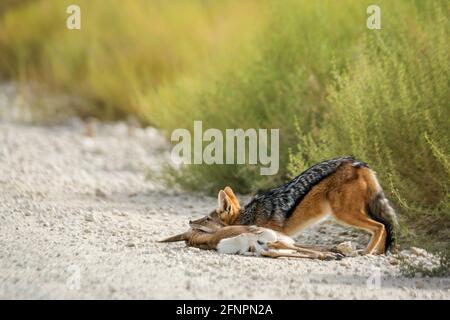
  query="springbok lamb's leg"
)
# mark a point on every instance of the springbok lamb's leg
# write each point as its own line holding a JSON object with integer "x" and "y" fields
{"x": 313, "y": 254}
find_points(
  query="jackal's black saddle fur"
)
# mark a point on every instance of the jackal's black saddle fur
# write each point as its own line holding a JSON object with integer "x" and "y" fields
{"x": 282, "y": 201}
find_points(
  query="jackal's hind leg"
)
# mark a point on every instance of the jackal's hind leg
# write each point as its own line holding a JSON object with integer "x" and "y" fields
{"x": 348, "y": 204}
{"x": 360, "y": 220}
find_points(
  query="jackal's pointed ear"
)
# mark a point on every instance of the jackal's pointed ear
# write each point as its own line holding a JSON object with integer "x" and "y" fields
{"x": 232, "y": 197}
{"x": 223, "y": 202}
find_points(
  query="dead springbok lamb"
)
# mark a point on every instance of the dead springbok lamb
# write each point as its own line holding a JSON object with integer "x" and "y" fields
{"x": 249, "y": 240}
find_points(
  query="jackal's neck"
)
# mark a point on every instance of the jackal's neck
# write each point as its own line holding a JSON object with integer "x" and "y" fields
{"x": 247, "y": 214}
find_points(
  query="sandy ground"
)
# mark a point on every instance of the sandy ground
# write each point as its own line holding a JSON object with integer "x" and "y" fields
{"x": 79, "y": 218}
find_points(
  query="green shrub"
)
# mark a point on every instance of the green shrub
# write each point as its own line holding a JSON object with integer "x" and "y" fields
{"x": 391, "y": 109}
{"x": 409, "y": 267}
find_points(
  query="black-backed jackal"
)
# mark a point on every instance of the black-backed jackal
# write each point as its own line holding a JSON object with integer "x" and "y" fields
{"x": 345, "y": 188}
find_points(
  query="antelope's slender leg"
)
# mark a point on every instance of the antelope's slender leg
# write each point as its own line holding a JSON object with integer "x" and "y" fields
{"x": 312, "y": 253}
{"x": 316, "y": 247}
{"x": 277, "y": 254}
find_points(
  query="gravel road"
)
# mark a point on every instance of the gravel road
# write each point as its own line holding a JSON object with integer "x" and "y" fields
{"x": 80, "y": 217}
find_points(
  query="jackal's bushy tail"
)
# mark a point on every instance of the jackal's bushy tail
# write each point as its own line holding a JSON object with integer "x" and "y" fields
{"x": 380, "y": 210}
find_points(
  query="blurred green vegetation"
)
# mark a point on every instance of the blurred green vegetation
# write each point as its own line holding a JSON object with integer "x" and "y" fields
{"x": 122, "y": 49}
{"x": 6, "y": 5}
{"x": 310, "y": 68}
{"x": 279, "y": 77}
{"x": 391, "y": 108}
